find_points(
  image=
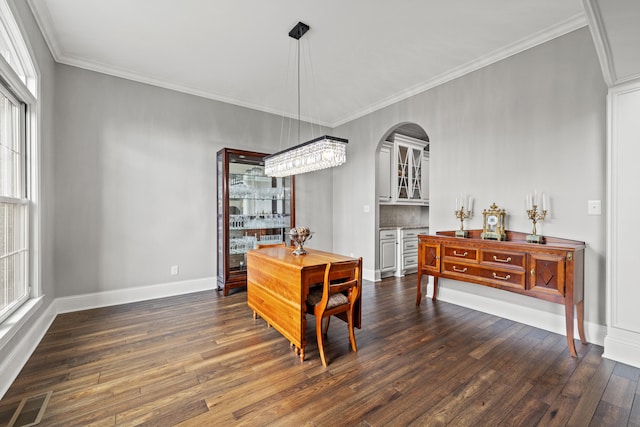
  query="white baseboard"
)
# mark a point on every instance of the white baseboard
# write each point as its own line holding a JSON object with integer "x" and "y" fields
{"x": 370, "y": 275}
{"x": 553, "y": 322}
{"x": 622, "y": 350}
{"x": 125, "y": 296}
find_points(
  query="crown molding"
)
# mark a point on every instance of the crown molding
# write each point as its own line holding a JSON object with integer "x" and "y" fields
{"x": 600, "y": 40}
{"x": 571, "y": 24}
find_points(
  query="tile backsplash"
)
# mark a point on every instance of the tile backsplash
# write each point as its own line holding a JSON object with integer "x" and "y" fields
{"x": 393, "y": 215}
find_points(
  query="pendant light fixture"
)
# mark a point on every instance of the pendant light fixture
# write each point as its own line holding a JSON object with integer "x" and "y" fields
{"x": 318, "y": 153}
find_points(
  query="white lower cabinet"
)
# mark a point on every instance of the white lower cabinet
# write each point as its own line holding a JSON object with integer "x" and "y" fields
{"x": 408, "y": 250}
{"x": 388, "y": 252}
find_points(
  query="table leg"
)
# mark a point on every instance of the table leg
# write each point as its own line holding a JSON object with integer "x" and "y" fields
{"x": 419, "y": 293}
{"x": 580, "y": 308}
{"x": 569, "y": 324}
{"x": 435, "y": 288}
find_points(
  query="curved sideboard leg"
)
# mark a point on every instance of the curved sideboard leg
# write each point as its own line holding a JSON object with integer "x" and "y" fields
{"x": 580, "y": 309}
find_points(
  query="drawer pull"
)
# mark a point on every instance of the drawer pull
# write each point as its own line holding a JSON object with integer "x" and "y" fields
{"x": 495, "y": 258}
{"x": 460, "y": 270}
{"x": 457, "y": 254}
{"x": 507, "y": 277}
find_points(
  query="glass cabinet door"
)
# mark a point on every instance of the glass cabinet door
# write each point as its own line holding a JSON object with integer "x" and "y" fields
{"x": 409, "y": 165}
{"x": 252, "y": 209}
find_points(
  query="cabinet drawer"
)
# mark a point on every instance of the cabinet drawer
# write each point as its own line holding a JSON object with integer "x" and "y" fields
{"x": 517, "y": 259}
{"x": 410, "y": 245}
{"x": 460, "y": 252}
{"x": 411, "y": 261}
{"x": 411, "y": 233}
{"x": 387, "y": 234}
{"x": 510, "y": 278}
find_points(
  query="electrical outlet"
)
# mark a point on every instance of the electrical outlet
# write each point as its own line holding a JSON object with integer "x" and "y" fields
{"x": 174, "y": 270}
{"x": 594, "y": 207}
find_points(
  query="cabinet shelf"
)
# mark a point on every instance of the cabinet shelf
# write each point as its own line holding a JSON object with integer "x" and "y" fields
{"x": 258, "y": 199}
{"x": 274, "y": 227}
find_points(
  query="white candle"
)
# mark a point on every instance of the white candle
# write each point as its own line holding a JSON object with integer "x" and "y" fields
{"x": 470, "y": 204}
{"x": 457, "y": 205}
{"x": 544, "y": 202}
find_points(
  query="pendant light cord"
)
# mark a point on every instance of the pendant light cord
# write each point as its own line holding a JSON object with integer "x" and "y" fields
{"x": 298, "y": 91}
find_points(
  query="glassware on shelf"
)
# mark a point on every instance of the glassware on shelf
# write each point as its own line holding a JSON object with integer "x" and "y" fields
{"x": 244, "y": 191}
{"x": 269, "y": 239}
{"x": 240, "y": 245}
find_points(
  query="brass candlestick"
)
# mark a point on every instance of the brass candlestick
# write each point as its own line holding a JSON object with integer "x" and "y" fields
{"x": 462, "y": 215}
{"x": 535, "y": 216}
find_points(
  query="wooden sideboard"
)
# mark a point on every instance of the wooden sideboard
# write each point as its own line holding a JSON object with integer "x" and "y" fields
{"x": 553, "y": 271}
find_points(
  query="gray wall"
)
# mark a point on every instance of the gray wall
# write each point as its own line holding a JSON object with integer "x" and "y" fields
{"x": 135, "y": 181}
{"x": 536, "y": 120}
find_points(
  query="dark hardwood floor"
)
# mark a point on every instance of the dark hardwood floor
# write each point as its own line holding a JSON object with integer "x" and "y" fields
{"x": 201, "y": 360}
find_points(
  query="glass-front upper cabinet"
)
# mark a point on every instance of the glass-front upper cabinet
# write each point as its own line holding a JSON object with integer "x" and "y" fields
{"x": 252, "y": 209}
{"x": 411, "y": 163}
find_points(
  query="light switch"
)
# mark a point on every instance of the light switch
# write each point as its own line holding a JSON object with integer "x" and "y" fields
{"x": 366, "y": 208}
{"x": 594, "y": 207}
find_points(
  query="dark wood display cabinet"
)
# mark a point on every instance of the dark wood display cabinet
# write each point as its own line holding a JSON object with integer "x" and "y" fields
{"x": 252, "y": 209}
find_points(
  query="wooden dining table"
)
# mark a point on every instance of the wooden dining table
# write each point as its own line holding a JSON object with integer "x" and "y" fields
{"x": 278, "y": 283}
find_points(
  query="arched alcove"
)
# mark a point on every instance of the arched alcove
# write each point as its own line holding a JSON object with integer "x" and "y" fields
{"x": 392, "y": 215}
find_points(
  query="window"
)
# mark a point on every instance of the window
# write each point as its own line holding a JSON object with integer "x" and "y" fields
{"x": 18, "y": 167}
{"x": 14, "y": 253}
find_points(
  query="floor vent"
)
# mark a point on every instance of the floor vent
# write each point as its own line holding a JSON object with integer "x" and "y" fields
{"x": 30, "y": 410}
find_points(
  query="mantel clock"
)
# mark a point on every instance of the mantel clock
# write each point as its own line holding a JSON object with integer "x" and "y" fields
{"x": 493, "y": 227}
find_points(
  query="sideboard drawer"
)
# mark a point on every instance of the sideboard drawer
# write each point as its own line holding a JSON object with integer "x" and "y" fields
{"x": 510, "y": 278}
{"x": 517, "y": 259}
{"x": 460, "y": 252}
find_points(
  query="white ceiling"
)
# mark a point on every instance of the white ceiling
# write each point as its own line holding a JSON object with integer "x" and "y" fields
{"x": 364, "y": 54}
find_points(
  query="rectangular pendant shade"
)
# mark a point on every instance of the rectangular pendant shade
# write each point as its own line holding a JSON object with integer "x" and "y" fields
{"x": 320, "y": 153}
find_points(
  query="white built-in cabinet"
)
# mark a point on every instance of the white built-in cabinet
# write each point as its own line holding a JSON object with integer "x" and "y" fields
{"x": 388, "y": 250}
{"x": 403, "y": 171}
{"x": 425, "y": 176}
{"x": 384, "y": 173}
{"x": 408, "y": 250}
{"x": 622, "y": 342}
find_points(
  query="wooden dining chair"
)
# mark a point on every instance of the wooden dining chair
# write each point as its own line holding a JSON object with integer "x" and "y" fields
{"x": 338, "y": 295}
